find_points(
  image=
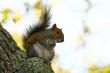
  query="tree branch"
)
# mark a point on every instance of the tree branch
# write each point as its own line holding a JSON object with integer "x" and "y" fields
{"x": 13, "y": 60}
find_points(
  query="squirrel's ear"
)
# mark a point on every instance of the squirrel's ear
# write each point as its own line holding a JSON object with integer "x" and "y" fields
{"x": 54, "y": 26}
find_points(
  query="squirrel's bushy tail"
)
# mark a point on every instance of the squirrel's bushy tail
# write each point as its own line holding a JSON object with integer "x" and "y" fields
{"x": 42, "y": 24}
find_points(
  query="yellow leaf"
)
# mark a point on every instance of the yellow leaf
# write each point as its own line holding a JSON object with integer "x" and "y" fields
{"x": 106, "y": 70}
{"x": 17, "y": 17}
{"x": 38, "y": 5}
{"x": 39, "y": 8}
{"x": 95, "y": 69}
{"x": 38, "y": 13}
{"x": 6, "y": 14}
{"x": 5, "y": 18}
{"x": 7, "y": 10}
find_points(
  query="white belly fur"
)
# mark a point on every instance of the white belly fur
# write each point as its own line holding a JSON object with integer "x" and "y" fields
{"x": 45, "y": 53}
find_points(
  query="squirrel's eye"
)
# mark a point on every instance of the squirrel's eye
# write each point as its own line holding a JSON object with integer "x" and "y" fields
{"x": 57, "y": 32}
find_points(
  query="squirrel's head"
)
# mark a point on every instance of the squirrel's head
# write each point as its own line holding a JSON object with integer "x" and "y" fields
{"x": 57, "y": 34}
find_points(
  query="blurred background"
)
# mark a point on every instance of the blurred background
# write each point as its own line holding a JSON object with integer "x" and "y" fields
{"x": 85, "y": 23}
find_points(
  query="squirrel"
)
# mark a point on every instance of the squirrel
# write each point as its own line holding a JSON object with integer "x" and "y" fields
{"x": 40, "y": 41}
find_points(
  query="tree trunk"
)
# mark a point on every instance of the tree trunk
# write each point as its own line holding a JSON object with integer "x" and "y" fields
{"x": 13, "y": 60}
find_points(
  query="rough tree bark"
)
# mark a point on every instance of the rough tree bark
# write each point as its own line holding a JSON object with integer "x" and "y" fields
{"x": 13, "y": 60}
